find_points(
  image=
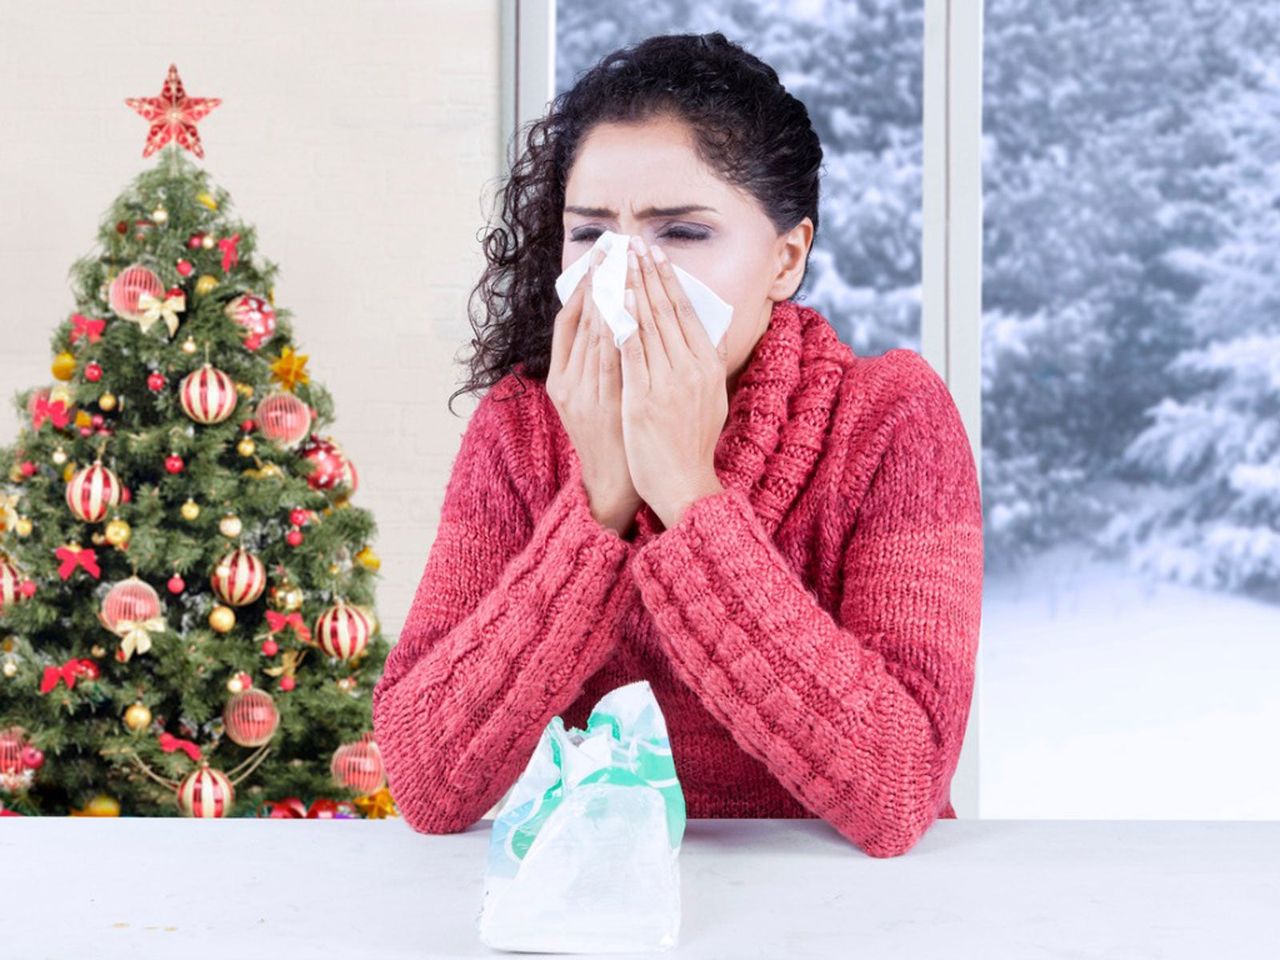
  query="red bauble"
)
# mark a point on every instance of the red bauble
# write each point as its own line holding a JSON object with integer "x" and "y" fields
{"x": 256, "y": 315}
{"x": 11, "y": 583}
{"x": 195, "y": 241}
{"x": 270, "y": 648}
{"x": 287, "y": 683}
{"x": 173, "y": 463}
{"x": 93, "y": 371}
{"x": 298, "y": 517}
{"x": 130, "y": 599}
{"x": 125, "y": 494}
{"x": 184, "y": 268}
{"x": 32, "y": 758}
{"x": 206, "y": 792}
{"x": 239, "y": 578}
{"x": 177, "y": 584}
{"x": 208, "y": 395}
{"x": 329, "y": 463}
{"x": 284, "y": 419}
{"x": 294, "y": 537}
{"x": 359, "y": 765}
{"x": 27, "y": 468}
{"x": 27, "y": 588}
{"x": 13, "y": 741}
{"x": 342, "y": 631}
{"x": 247, "y": 426}
{"x": 156, "y": 381}
{"x": 130, "y": 284}
{"x": 93, "y": 491}
{"x": 251, "y": 717}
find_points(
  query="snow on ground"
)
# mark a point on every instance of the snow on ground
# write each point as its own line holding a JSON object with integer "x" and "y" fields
{"x": 1104, "y": 695}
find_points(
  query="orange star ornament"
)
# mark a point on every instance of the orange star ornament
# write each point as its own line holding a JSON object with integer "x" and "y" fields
{"x": 173, "y": 115}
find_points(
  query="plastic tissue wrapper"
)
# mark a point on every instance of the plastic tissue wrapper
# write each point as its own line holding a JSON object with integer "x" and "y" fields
{"x": 584, "y": 853}
{"x": 611, "y": 283}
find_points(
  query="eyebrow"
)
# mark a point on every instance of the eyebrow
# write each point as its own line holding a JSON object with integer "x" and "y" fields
{"x": 644, "y": 214}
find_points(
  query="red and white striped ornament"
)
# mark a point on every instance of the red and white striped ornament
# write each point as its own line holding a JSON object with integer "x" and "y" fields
{"x": 239, "y": 578}
{"x": 206, "y": 792}
{"x": 359, "y": 765}
{"x": 251, "y": 717}
{"x": 10, "y": 583}
{"x": 342, "y": 631}
{"x": 93, "y": 491}
{"x": 132, "y": 599}
{"x": 208, "y": 395}
{"x": 284, "y": 419}
{"x": 128, "y": 286}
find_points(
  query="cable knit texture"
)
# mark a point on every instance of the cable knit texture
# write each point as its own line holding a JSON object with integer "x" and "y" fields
{"x": 810, "y": 632}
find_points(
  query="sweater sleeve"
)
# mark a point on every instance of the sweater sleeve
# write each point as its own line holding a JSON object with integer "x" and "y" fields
{"x": 859, "y": 715}
{"x": 498, "y": 638}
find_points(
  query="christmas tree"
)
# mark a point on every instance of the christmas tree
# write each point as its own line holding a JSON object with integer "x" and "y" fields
{"x": 186, "y": 588}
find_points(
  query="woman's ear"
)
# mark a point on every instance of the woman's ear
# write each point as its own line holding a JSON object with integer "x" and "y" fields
{"x": 792, "y": 249}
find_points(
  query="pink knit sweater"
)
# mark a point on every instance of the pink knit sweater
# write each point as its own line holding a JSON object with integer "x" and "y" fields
{"x": 810, "y": 633}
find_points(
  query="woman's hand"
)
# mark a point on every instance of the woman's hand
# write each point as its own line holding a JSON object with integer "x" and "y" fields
{"x": 584, "y": 383}
{"x": 674, "y": 397}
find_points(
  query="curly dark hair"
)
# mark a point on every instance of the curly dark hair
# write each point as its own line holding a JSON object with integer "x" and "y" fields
{"x": 745, "y": 125}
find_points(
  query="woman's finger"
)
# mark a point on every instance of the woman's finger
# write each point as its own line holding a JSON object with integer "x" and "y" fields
{"x": 694, "y": 334}
{"x": 566, "y": 325}
{"x": 650, "y": 296}
{"x": 582, "y": 330}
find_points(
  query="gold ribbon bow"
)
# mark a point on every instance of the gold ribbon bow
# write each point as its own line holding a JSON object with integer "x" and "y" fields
{"x": 8, "y": 511}
{"x": 152, "y": 308}
{"x": 135, "y": 635}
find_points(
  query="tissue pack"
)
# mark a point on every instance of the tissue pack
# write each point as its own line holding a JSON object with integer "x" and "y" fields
{"x": 611, "y": 283}
{"x": 584, "y": 853}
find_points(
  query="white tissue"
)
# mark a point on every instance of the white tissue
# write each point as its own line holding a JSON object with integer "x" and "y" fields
{"x": 611, "y": 282}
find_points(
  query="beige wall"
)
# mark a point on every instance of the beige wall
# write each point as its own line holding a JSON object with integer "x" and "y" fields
{"x": 362, "y": 141}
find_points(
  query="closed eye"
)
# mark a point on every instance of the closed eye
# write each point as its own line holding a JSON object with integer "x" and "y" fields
{"x": 591, "y": 234}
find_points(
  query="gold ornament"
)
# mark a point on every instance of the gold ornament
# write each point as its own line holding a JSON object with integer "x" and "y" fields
{"x": 64, "y": 366}
{"x": 206, "y": 284}
{"x": 100, "y": 806}
{"x": 334, "y": 568}
{"x": 286, "y": 597}
{"x": 160, "y": 215}
{"x": 107, "y": 402}
{"x": 235, "y": 684}
{"x": 378, "y": 805}
{"x": 10, "y": 668}
{"x": 246, "y": 447}
{"x": 23, "y": 527}
{"x": 190, "y": 510}
{"x": 118, "y": 532}
{"x": 230, "y": 526}
{"x": 368, "y": 559}
{"x": 288, "y": 368}
{"x": 264, "y": 471}
{"x": 8, "y": 645}
{"x": 222, "y": 619}
{"x": 8, "y": 511}
{"x": 244, "y": 389}
{"x": 98, "y": 650}
{"x": 207, "y": 200}
{"x": 15, "y": 474}
{"x": 207, "y": 242}
{"x": 189, "y": 345}
{"x": 83, "y": 419}
{"x": 97, "y": 538}
{"x": 137, "y": 716}
{"x": 271, "y": 296}
{"x": 59, "y": 456}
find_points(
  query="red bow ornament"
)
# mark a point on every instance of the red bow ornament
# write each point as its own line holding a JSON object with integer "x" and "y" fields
{"x": 72, "y": 557}
{"x": 278, "y": 621}
{"x": 55, "y": 410}
{"x": 82, "y": 326}
{"x": 170, "y": 743}
{"x": 68, "y": 673}
{"x": 230, "y": 254}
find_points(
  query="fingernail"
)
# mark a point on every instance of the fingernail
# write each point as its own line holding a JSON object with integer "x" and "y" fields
{"x": 632, "y": 263}
{"x": 658, "y": 255}
{"x": 639, "y": 244}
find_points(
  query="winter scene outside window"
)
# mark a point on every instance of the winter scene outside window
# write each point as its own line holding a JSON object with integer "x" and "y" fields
{"x": 1131, "y": 410}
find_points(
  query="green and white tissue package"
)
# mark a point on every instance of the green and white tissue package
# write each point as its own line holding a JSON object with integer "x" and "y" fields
{"x": 584, "y": 854}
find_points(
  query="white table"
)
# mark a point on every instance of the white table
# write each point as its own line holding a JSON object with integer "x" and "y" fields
{"x": 777, "y": 889}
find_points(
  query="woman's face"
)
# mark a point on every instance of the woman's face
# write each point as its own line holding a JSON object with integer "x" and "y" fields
{"x": 640, "y": 178}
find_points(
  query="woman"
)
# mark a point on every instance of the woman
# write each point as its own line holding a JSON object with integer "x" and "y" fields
{"x": 783, "y": 538}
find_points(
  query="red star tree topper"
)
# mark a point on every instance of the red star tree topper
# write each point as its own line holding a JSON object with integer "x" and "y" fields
{"x": 173, "y": 115}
